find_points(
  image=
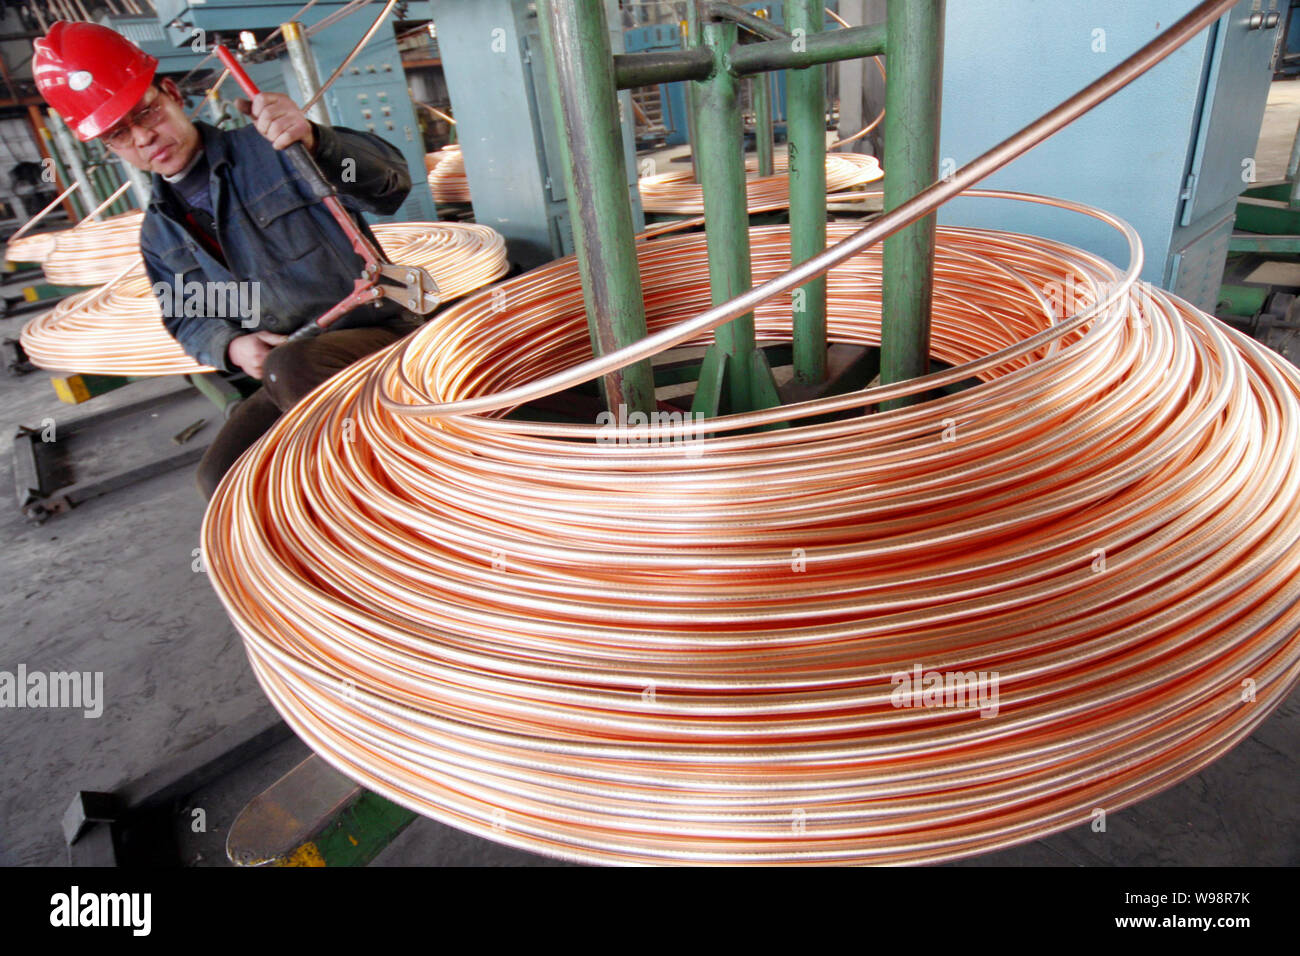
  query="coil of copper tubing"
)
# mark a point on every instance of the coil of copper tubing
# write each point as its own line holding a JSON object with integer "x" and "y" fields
{"x": 31, "y": 248}
{"x": 686, "y": 642}
{"x": 116, "y": 329}
{"x": 92, "y": 253}
{"x": 447, "y": 179}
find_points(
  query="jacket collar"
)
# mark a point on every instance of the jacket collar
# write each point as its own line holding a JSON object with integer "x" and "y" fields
{"x": 215, "y": 146}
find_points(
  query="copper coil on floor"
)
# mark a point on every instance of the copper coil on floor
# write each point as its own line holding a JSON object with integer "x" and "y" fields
{"x": 93, "y": 253}
{"x": 116, "y": 329}
{"x": 447, "y": 181}
{"x": 35, "y": 247}
{"x": 677, "y": 191}
{"x": 461, "y": 257}
{"x": 694, "y": 641}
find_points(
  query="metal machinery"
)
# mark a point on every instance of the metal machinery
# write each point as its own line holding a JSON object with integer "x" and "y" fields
{"x": 506, "y": 125}
{"x": 672, "y": 96}
{"x": 1171, "y": 153}
{"x": 370, "y": 95}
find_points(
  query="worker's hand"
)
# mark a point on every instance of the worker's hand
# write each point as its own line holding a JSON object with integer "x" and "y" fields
{"x": 249, "y": 351}
{"x": 278, "y": 118}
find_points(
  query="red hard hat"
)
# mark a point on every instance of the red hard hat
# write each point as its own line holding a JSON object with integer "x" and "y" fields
{"x": 92, "y": 75}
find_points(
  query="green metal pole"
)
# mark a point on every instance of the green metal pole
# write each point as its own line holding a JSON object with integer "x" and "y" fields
{"x": 915, "y": 58}
{"x": 576, "y": 47}
{"x": 101, "y": 175}
{"x": 764, "y": 128}
{"x": 805, "y": 98}
{"x": 721, "y": 163}
{"x": 662, "y": 66}
{"x": 691, "y": 37}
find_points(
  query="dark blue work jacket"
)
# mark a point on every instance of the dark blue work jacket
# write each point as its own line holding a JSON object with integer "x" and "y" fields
{"x": 273, "y": 233}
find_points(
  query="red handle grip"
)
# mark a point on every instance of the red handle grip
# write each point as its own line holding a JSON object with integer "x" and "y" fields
{"x": 237, "y": 71}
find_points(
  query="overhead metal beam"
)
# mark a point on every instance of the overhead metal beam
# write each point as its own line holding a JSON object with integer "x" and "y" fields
{"x": 809, "y": 50}
{"x": 667, "y": 66}
{"x": 661, "y": 66}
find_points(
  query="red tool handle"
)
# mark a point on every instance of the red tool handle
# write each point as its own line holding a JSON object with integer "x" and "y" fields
{"x": 237, "y": 71}
{"x": 324, "y": 190}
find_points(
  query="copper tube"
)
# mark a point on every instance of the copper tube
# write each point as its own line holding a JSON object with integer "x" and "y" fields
{"x": 107, "y": 202}
{"x": 683, "y": 642}
{"x": 609, "y": 644}
{"x": 866, "y": 130}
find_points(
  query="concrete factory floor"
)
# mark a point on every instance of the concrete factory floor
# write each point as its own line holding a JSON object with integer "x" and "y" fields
{"x": 111, "y": 587}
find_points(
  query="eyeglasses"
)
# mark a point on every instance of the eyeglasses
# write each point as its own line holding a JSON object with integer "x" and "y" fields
{"x": 147, "y": 117}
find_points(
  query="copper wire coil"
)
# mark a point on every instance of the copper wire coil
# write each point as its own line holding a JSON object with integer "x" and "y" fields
{"x": 116, "y": 329}
{"x": 93, "y": 253}
{"x": 615, "y": 645}
{"x": 677, "y": 192}
{"x": 31, "y": 248}
{"x": 461, "y": 257}
{"x": 447, "y": 181}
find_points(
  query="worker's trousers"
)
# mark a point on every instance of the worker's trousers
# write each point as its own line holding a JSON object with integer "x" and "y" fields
{"x": 290, "y": 371}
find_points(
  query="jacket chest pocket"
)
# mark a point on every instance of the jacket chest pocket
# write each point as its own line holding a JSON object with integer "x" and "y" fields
{"x": 179, "y": 260}
{"x": 286, "y": 225}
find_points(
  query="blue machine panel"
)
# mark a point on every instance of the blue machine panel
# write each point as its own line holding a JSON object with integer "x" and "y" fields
{"x": 1007, "y": 63}
{"x": 1223, "y": 157}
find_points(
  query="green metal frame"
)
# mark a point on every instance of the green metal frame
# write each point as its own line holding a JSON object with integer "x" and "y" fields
{"x": 805, "y": 97}
{"x": 721, "y": 165}
{"x": 1243, "y": 300}
{"x": 734, "y": 376}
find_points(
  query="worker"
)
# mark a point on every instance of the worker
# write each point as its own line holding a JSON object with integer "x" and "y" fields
{"x": 228, "y": 212}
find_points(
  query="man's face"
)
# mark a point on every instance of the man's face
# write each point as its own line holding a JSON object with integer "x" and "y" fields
{"x": 156, "y": 136}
